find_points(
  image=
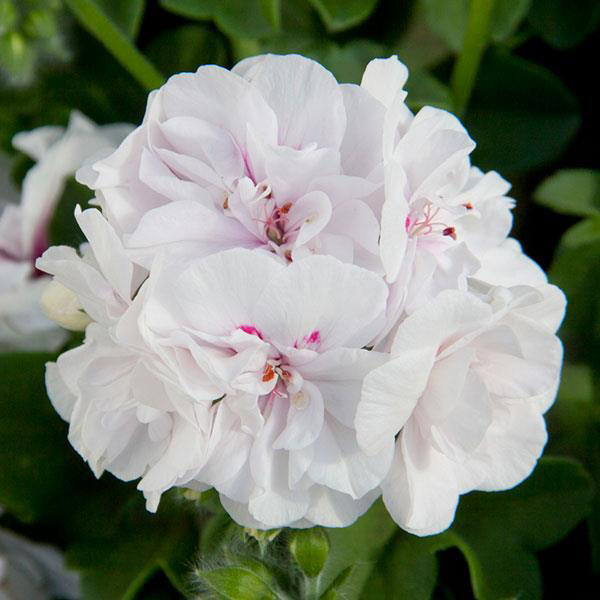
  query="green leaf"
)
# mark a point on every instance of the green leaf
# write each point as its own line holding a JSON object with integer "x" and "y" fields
{"x": 346, "y": 62}
{"x": 574, "y": 426}
{"x": 116, "y": 567}
{"x": 63, "y": 228}
{"x": 520, "y": 114}
{"x": 186, "y": 48}
{"x": 425, "y": 90}
{"x": 563, "y": 24}
{"x": 334, "y": 590}
{"x": 571, "y": 192}
{"x": 126, "y": 14}
{"x": 406, "y": 570}
{"x": 343, "y": 14}
{"x": 357, "y": 546}
{"x": 236, "y": 583}
{"x": 500, "y": 532}
{"x": 36, "y": 461}
{"x": 574, "y": 269}
{"x": 418, "y": 46}
{"x": 91, "y": 16}
{"x": 17, "y": 58}
{"x": 238, "y": 18}
{"x": 192, "y": 9}
{"x": 448, "y": 18}
{"x": 9, "y": 17}
{"x": 310, "y": 548}
{"x": 507, "y": 16}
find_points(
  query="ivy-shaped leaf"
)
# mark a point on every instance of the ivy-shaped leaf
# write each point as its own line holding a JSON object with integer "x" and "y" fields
{"x": 571, "y": 192}
{"x": 357, "y": 546}
{"x": 115, "y": 567}
{"x": 521, "y": 115}
{"x": 574, "y": 268}
{"x": 563, "y": 24}
{"x": 343, "y": 14}
{"x": 448, "y": 18}
{"x": 186, "y": 48}
{"x": 237, "y": 18}
{"x": 126, "y": 14}
{"x": 36, "y": 462}
{"x": 499, "y": 533}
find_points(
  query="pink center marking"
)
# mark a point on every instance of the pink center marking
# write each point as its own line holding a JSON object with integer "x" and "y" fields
{"x": 251, "y": 330}
{"x": 312, "y": 341}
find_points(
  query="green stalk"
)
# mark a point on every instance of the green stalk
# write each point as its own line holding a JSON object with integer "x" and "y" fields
{"x": 477, "y": 37}
{"x": 312, "y": 587}
{"x": 92, "y": 18}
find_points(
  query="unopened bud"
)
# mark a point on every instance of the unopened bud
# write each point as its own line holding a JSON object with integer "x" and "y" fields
{"x": 62, "y": 306}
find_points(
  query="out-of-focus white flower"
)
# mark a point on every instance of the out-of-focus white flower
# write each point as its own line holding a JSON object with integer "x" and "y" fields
{"x": 58, "y": 153}
{"x": 274, "y": 154}
{"x": 32, "y": 571}
{"x": 470, "y": 377}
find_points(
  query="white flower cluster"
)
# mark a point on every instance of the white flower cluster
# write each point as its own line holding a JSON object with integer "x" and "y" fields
{"x": 24, "y": 222}
{"x": 304, "y": 296}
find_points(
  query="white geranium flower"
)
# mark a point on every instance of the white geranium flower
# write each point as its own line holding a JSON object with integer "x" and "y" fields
{"x": 442, "y": 220}
{"x": 301, "y": 294}
{"x": 58, "y": 153}
{"x": 127, "y": 412}
{"x": 31, "y": 571}
{"x": 274, "y": 155}
{"x": 470, "y": 376}
{"x": 282, "y": 350}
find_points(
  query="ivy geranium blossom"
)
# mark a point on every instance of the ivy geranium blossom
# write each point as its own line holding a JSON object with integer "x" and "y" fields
{"x": 304, "y": 296}
{"x": 270, "y": 155}
{"x": 462, "y": 398}
{"x": 282, "y": 348}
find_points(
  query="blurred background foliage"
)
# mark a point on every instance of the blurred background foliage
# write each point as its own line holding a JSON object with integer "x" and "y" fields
{"x": 521, "y": 74}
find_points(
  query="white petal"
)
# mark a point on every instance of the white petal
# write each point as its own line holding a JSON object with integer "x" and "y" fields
{"x": 389, "y": 396}
{"x": 340, "y": 464}
{"x": 304, "y": 419}
{"x": 305, "y": 97}
{"x": 384, "y": 79}
{"x": 420, "y": 492}
{"x": 323, "y": 297}
{"x": 218, "y": 294}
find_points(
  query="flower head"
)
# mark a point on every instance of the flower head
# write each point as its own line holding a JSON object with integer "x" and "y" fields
{"x": 303, "y": 295}
{"x": 269, "y": 155}
{"x": 462, "y": 398}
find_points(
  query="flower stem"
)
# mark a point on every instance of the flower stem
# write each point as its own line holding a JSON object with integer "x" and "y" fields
{"x": 312, "y": 588}
{"x": 92, "y": 18}
{"x": 476, "y": 40}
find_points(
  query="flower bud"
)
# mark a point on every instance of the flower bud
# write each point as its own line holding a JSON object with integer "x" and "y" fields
{"x": 62, "y": 306}
{"x": 236, "y": 583}
{"x": 310, "y": 548}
